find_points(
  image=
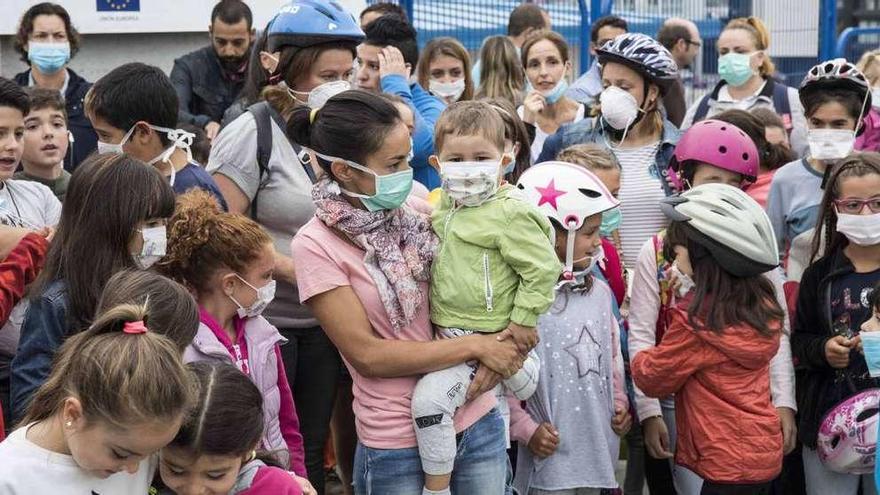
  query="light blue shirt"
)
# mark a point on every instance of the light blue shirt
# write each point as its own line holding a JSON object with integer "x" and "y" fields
{"x": 588, "y": 87}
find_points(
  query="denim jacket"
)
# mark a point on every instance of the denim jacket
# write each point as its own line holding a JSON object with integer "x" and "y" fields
{"x": 589, "y": 131}
{"x": 204, "y": 92}
{"x": 42, "y": 332}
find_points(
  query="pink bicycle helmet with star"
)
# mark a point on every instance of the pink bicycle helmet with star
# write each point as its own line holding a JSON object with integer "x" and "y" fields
{"x": 847, "y": 441}
{"x": 716, "y": 143}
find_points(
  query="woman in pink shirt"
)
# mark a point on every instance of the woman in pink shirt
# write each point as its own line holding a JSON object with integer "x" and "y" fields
{"x": 363, "y": 266}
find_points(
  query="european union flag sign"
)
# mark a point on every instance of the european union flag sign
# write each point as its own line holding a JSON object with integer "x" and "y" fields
{"x": 119, "y": 5}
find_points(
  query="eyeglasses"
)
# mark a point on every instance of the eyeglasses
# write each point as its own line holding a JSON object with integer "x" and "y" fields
{"x": 695, "y": 43}
{"x": 855, "y": 206}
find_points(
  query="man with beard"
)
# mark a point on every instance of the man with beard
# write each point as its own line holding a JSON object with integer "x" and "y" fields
{"x": 208, "y": 80}
{"x": 682, "y": 38}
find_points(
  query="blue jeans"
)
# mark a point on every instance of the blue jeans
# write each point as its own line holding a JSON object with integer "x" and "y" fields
{"x": 480, "y": 464}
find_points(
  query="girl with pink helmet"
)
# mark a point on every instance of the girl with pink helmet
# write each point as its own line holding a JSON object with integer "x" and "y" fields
{"x": 711, "y": 151}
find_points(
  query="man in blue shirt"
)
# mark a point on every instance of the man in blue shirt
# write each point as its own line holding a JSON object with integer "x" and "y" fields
{"x": 385, "y": 63}
{"x": 588, "y": 87}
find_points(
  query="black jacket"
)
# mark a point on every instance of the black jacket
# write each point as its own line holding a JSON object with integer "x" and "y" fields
{"x": 85, "y": 141}
{"x": 204, "y": 91}
{"x": 819, "y": 386}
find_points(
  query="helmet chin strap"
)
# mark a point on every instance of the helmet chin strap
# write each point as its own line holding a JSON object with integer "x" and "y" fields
{"x": 568, "y": 273}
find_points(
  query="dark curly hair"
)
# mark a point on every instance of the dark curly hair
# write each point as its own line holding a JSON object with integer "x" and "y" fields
{"x": 26, "y": 27}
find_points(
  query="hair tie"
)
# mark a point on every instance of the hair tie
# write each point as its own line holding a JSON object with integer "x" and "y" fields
{"x": 312, "y": 115}
{"x": 134, "y": 327}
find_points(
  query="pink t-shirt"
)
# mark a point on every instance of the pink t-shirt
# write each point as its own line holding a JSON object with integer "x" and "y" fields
{"x": 381, "y": 405}
{"x": 761, "y": 188}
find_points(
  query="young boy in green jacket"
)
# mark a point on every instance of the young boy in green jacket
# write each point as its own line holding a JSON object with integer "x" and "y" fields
{"x": 495, "y": 271}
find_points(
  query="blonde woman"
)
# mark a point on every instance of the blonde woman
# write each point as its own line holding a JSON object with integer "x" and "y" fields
{"x": 445, "y": 70}
{"x": 746, "y": 72}
{"x": 869, "y": 64}
{"x": 501, "y": 73}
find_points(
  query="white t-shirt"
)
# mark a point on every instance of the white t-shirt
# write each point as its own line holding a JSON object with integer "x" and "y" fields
{"x": 28, "y": 204}
{"x": 640, "y": 195}
{"x": 541, "y": 136}
{"x": 28, "y": 469}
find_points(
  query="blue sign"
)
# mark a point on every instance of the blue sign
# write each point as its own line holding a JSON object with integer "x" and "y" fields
{"x": 119, "y": 5}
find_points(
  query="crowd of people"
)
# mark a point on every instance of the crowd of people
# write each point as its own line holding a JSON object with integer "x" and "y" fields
{"x": 316, "y": 245}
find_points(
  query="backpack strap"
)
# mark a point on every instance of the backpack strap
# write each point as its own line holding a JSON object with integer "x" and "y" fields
{"x": 782, "y": 104}
{"x": 264, "y": 114}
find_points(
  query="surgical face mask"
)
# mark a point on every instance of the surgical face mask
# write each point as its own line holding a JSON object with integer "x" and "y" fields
{"x": 619, "y": 108}
{"x": 685, "y": 282}
{"x": 448, "y": 91}
{"x": 470, "y": 183}
{"x": 553, "y": 95}
{"x": 115, "y": 148}
{"x": 155, "y": 244}
{"x": 610, "y": 222}
{"x": 736, "y": 68}
{"x": 863, "y": 230}
{"x": 830, "y": 144}
{"x": 317, "y": 97}
{"x": 265, "y": 295}
{"x": 48, "y": 58}
{"x": 597, "y": 256}
{"x": 391, "y": 190}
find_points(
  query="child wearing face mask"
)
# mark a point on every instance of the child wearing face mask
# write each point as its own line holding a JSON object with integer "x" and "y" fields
{"x": 569, "y": 431}
{"x": 836, "y": 97}
{"x": 227, "y": 260}
{"x": 494, "y": 271}
{"x": 444, "y": 68}
{"x": 118, "y": 392}
{"x": 217, "y": 449}
{"x": 659, "y": 283}
{"x": 832, "y": 305}
{"x": 113, "y": 219}
{"x": 716, "y": 352}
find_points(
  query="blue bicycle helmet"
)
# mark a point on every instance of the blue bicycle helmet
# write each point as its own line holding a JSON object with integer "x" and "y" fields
{"x": 305, "y": 23}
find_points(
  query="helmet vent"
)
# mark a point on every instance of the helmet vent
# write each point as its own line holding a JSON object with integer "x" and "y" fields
{"x": 722, "y": 149}
{"x": 866, "y": 414}
{"x": 590, "y": 193}
{"x": 745, "y": 157}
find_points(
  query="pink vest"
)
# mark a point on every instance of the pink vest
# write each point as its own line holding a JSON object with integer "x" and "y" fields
{"x": 261, "y": 338}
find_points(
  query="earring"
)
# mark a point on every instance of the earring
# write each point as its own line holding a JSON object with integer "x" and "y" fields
{"x": 69, "y": 424}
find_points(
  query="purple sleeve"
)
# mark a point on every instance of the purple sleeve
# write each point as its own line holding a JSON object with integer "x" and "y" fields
{"x": 273, "y": 480}
{"x": 289, "y": 421}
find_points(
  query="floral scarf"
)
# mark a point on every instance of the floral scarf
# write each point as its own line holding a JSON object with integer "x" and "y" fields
{"x": 399, "y": 244}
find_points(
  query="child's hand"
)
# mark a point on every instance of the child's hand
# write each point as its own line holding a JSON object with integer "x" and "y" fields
{"x": 656, "y": 437}
{"x": 544, "y": 441}
{"x": 789, "y": 429}
{"x": 837, "y": 351}
{"x": 621, "y": 422}
{"x": 304, "y": 484}
{"x": 526, "y": 338}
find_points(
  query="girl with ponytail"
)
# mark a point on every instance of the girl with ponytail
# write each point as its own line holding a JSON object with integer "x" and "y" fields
{"x": 117, "y": 393}
{"x": 228, "y": 261}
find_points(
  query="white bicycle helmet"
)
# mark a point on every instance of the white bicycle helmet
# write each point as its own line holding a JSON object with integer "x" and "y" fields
{"x": 836, "y": 73}
{"x": 729, "y": 224}
{"x": 567, "y": 194}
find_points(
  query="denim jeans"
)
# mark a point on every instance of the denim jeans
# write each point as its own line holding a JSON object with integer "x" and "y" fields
{"x": 480, "y": 464}
{"x": 312, "y": 364}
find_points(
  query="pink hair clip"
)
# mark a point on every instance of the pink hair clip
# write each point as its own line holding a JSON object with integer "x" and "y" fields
{"x": 134, "y": 327}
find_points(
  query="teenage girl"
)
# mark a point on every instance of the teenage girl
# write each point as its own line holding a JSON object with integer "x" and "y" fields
{"x": 723, "y": 332}
{"x": 569, "y": 440}
{"x": 118, "y": 392}
{"x": 832, "y": 304}
{"x": 228, "y": 261}
{"x": 114, "y": 214}
{"x": 217, "y": 449}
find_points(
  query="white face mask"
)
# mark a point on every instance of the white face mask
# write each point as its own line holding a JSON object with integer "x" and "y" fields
{"x": 178, "y": 137}
{"x": 685, "y": 282}
{"x": 265, "y": 295}
{"x": 155, "y": 244}
{"x": 470, "y": 183}
{"x": 448, "y": 91}
{"x": 317, "y": 97}
{"x": 875, "y": 97}
{"x": 115, "y": 148}
{"x": 619, "y": 108}
{"x": 830, "y": 144}
{"x": 863, "y": 230}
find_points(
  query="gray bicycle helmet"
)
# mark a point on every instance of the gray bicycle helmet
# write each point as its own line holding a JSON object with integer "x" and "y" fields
{"x": 834, "y": 74}
{"x": 729, "y": 224}
{"x": 643, "y": 54}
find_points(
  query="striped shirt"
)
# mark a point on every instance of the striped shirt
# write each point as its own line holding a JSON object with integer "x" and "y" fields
{"x": 640, "y": 195}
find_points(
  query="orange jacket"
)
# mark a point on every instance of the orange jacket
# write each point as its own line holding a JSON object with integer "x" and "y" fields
{"x": 728, "y": 430}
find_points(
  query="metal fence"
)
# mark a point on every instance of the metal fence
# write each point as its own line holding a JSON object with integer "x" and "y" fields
{"x": 801, "y": 31}
{"x": 853, "y": 42}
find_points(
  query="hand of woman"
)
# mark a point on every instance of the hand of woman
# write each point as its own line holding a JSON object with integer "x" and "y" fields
{"x": 391, "y": 62}
{"x": 484, "y": 381}
{"x": 501, "y": 356}
{"x": 532, "y": 106}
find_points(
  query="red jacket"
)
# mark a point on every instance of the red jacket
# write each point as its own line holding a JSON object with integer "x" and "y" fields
{"x": 728, "y": 430}
{"x": 612, "y": 269}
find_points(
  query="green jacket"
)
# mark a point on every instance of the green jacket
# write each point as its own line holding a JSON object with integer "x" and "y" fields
{"x": 496, "y": 264}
